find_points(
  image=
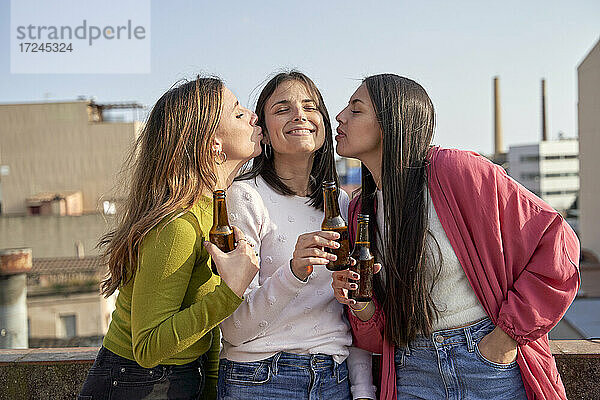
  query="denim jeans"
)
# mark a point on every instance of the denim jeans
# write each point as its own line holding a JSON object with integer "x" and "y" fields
{"x": 448, "y": 365}
{"x": 284, "y": 376}
{"x": 113, "y": 377}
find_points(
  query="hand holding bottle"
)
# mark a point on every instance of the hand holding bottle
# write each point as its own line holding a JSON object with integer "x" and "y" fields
{"x": 309, "y": 252}
{"x": 237, "y": 267}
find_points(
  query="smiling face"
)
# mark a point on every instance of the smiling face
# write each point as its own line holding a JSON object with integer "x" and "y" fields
{"x": 237, "y": 135}
{"x": 359, "y": 133}
{"x": 294, "y": 123}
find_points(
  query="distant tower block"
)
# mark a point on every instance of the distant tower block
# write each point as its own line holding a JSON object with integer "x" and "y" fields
{"x": 498, "y": 145}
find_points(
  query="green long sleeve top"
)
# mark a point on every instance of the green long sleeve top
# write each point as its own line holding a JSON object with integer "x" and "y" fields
{"x": 170, "y": 312}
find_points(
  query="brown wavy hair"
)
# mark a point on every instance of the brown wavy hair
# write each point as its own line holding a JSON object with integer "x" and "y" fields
{"x": 172, "y": 165}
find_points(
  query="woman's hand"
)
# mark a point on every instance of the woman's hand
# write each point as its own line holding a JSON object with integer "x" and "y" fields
{"x": 309, "y": 252}
{"x": 341, "y": 284}
{"x": 238, "y": 267}
{"x": 498, "y": 347}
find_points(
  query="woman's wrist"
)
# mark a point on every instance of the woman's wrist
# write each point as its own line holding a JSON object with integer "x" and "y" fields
{"x": 301, "y": 278}
{"x": 363, "y": 310}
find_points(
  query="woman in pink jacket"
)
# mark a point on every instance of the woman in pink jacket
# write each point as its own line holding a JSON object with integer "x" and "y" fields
{"x": 476, "y": 269}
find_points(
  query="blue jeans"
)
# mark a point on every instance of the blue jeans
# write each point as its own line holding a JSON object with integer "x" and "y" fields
{"x": 114, "y": 377}
{"x": 449, "y": 366}
{"x": 284, "y": 376}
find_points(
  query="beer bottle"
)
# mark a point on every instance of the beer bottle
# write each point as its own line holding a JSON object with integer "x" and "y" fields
{"x": 221, "y": 233}
{"x": 364, "y": 262}
{"x": 333, "y": 221}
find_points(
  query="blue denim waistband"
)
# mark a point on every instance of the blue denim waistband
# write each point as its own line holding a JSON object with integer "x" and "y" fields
{"x": 309, "y": 361}
{"x": 469, "y": 334}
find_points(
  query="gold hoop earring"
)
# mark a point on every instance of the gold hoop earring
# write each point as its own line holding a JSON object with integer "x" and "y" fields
{"x": 220, "y": 157}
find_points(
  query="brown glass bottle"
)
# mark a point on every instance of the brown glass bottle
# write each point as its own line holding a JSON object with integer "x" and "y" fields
{"x": 221, "y": 233}
{"x": 333, "y": 221}
{"x": 364, "y": 262}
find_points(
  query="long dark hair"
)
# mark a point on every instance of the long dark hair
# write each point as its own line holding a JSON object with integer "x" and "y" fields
{"x": 323, "y": 168}
{"x": 172, "y": 163}
{"x": 406, "y": 116}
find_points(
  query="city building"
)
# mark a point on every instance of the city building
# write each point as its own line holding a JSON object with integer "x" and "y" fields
{"x": 550, "y": 169}
{"x": 588, "y": 81}
{"x": 60, "y": 191}
{"x": 59, "y": 174}
{"x": 63, "y": 303}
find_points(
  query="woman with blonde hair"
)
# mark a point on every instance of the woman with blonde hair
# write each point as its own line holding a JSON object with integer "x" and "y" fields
{"x": 163, "y": 341}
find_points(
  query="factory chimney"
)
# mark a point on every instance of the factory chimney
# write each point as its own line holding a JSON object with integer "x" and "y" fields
{"x": 544, "y": 134}
{"x": 498, "y": 145}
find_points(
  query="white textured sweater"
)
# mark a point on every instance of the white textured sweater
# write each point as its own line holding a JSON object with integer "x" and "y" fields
{"x": 279, "y": 311}
{"x": 452, "y": 293}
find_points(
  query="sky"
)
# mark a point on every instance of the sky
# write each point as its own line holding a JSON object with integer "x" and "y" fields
{"x": 452, "y": 48}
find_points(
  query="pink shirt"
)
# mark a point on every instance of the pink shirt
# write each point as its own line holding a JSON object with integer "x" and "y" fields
{"x": 520, "y": 257}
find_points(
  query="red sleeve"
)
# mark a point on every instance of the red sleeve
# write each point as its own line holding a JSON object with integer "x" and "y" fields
{"x": 368, "y": 335}
{"x": 519, "y": 254}
{"x": 545, "y": 288}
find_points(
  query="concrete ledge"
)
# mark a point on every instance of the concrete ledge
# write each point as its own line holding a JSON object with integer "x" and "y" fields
{"x": 578, "y": 363}
{"x": 59, "y": 373}
{"x": 44, "y": 373}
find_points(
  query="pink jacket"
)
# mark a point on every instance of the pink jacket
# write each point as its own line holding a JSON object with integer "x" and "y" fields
{"x": 519, "y": 255}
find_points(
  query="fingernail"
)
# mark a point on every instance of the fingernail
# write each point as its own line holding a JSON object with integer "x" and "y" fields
{"x": 336, "y": 235}
{"x": 333, "y": 257}
{"x": 355, "y": 276}
{"x": 336, "y": 245}
{"x": 353, "y": 286}
{"x": 353, "y": 302}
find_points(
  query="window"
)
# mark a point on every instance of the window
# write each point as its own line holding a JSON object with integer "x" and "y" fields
{"x": 561, "y": 157}
{"x": 560, "y": 174}
{"x": 560, "y": 192}
{"x": 533, "y": 175}
{"x": 67, "y": 327}
{"x": 530, "y": 158}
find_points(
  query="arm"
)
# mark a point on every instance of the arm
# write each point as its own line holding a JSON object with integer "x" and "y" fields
{"x": 368, "y": 335}
{"x": 212, "y": 366}
{"x": 361, "y": 376}
{"x": 262, "y": 303}
{"x": 159, "y": 328}
{"x": 545, "y": 288}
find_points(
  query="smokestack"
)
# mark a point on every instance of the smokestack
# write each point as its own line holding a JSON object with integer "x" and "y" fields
{"x": 498, "y": 146}
{"x": 544, "y": 135}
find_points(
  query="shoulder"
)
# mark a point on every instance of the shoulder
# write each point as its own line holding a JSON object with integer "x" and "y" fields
{"x": 174, "y": 231}
{"x": 452, "y": 160}
{"x": 244, "y": 190}
{"x": 245, "y": 202}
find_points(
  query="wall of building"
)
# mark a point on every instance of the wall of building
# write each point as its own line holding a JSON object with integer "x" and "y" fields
{"x": 92, "y": 312}
{"x": 550, "y": 169}
{"x": 524, "y": 166}
{"x": 588, "y": 74}
{"x": 54, "y": 236}
{"x": 54, "y": 147}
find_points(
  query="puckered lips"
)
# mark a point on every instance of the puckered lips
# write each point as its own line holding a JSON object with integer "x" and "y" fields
{"x": 340, "y": 134}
